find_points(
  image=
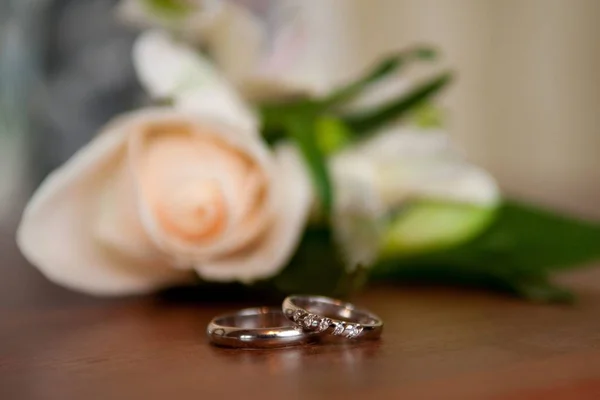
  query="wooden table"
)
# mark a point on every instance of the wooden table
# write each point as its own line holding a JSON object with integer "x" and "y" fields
{"x": 438, "y": 343}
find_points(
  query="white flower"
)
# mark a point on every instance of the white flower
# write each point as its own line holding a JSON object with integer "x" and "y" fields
{"x": 164, "y": 192}
{"x": 171, "y": 70}
{"x": 276, "y": 49}
{"x": 408, "y": 162}
{"x": 405, "y": 166}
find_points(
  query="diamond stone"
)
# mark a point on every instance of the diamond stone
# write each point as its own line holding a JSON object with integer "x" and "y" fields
{"x": 298, "y": 315}
{"x": 339, "y": 328}
{"x": 353, "y": 331}
{"x": 323, "y": 324}
{"x": 308, "y": 321}
{"x": 358, "y": 330}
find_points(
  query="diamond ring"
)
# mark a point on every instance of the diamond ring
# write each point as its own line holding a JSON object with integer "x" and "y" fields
{"x": 321, "y": 314}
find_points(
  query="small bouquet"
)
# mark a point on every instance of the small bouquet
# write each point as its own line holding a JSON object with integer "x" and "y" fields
{"x": 248, "y": 166}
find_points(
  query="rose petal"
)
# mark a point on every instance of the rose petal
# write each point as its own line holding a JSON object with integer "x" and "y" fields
{"x": 275, "y": 248}
{"x": 117, "y": 223}
{"x": 221, "y": 168}
{"x": 187, "y": 180}
{"x": 57, "y": 233}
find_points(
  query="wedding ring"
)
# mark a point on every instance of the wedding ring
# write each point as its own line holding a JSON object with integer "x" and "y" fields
{"x": 261, "y": 327}
{"x": 321, "y": 314}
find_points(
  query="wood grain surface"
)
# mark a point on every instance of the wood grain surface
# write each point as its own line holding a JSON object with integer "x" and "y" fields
{"x": 437, "y": 343}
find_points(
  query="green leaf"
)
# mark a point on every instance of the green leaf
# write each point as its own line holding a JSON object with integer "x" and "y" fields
{"x": 541, "y": 239}
{"x": 427, "y": 116}
{"x": 541, "y": 291}
{"x": 370, "y": 120}
{"x": 302, "y": 129}
{"x": 332, "y": 134}
{"x": 517, "y": 254}
{"x": 526, "y": 284}
{"x": 317, "y": 268}
{"x": 424, "y": 53}
{"x": 273, "y": 114}
{"x": 384, "y": 68}
{"x": 272, "y": 118}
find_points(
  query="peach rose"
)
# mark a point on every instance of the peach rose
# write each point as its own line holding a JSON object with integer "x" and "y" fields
{"x": 163, "y": 193}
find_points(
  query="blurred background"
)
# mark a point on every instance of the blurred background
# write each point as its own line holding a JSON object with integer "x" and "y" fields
{"x": 526, "y": 104}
